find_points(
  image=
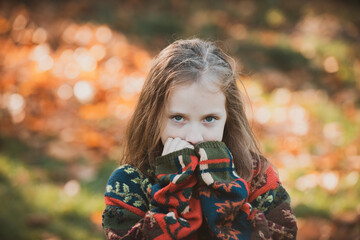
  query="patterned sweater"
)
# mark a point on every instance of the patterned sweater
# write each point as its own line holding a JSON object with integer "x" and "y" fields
{"x": 197, "y": 195}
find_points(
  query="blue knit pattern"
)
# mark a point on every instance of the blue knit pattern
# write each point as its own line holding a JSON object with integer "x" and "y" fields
{"x": 128, "y": 185}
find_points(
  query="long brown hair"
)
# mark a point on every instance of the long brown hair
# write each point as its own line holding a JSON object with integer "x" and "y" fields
{"x": 180, "y": 62}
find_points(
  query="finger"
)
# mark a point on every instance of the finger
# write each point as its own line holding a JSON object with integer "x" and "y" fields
{"x": 181, "y": 145}
{"x": 190, "y": 146}
{"x": 173, "y": 145}
{"x": 167, "y": 145}
{"x": 185, "y": 144}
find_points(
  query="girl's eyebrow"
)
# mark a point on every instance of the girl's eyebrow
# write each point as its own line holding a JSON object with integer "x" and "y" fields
{"x": 172, "y": 113}
{"x": 216, "y": 113}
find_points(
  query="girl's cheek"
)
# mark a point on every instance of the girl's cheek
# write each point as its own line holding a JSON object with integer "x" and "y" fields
{"x": 176, "y": 132}
{"x": 215, "y": 134}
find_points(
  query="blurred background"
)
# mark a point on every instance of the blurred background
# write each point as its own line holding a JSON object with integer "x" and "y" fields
{"x": 71, "y": 72}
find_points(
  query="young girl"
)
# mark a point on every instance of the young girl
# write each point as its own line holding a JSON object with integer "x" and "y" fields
{"x": 191, "y": 166}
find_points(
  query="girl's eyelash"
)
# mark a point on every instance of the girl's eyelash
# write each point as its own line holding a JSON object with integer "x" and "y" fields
{"x": 177, "y": 115}
{"x": 214, "y": 118}
{"x": 183, "y": 118}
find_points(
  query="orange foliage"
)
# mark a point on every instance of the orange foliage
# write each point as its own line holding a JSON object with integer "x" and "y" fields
{"x": 96, "y": 218}
{"x": 91, "y": 76}
{"x": 94, "y": 111}
{"x": 35, "y": 124}
{"x": 93, "y": 139}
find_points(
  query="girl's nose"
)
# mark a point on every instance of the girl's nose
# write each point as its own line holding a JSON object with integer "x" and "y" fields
{"x": 194, "y": 136}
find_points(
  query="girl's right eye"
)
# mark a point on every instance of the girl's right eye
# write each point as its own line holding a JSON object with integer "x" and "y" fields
{"x": 177, "y": 118}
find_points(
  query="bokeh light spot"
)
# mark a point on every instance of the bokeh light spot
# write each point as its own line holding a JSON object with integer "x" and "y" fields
{"x": 98, "y": 51}
{"x": 69, "y": 34}
{"x": 281, "y": 96}
{"x": 40, "y": 51}
{"x": 39, "y": 36}
{"x": 45, "y": 63}
{"x": 103, "y": 34}
{"x": 275, "y": 17}
{"x": 238, "y": 31}
{"x": 84, "y": 91}
{"x": 263, "y": 115}
{"x": 72, "y": 188}
{"x": 83, "y": 35}
{"x": 113, "y": 65}
{"x": 331, "y": 65}
{"x": 16, "y": 103}
{"x": 329, "y": 180}
{"x": 20, "y": 22}
{"x": 332, "y": 131}
{"x": 307, "y": 182}
{"x": 131, "y": 86}
{"x": 65, "y": 91}
{"x": 279, "y": 115}
{"x": 85, "y": 60}
{"x": 72, "y": 70}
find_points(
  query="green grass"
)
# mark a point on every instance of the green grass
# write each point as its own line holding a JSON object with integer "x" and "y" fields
{"x": 34, "y": 204}
{"x": 320, "y": 202}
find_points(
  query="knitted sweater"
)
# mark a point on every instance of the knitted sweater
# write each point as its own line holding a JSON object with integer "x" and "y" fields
{"x": 197, "y": 195}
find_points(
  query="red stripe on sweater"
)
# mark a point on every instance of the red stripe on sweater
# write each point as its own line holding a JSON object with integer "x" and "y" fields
{"x": 191, "y": 165}
{"x": 272, "y": 182}
{"x": 161, "y": 175}
{"x": 119, "y": 203}
{"x": 222, "y": 160}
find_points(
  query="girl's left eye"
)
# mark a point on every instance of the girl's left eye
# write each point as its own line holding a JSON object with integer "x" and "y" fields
{"x": 178, "y": 118}
{"x": 209, "y": 119}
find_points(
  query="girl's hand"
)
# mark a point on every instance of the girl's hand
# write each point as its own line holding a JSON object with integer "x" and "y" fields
{"x": 175, "y": 144}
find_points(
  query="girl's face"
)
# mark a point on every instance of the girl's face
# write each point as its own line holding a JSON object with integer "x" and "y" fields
{"x": 194, "y": 112}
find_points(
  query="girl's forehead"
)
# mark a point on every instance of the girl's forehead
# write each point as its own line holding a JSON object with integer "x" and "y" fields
{"x": 207, "y": 81}
{"x": 195, "y": 97}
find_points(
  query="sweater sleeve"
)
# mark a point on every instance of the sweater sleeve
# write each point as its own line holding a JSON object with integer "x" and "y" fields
{"x": 166, "y": 210}
{"x": 235, "y": 210}
{"x": 274, "y": 218}
{"x": 223, "y": 194}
